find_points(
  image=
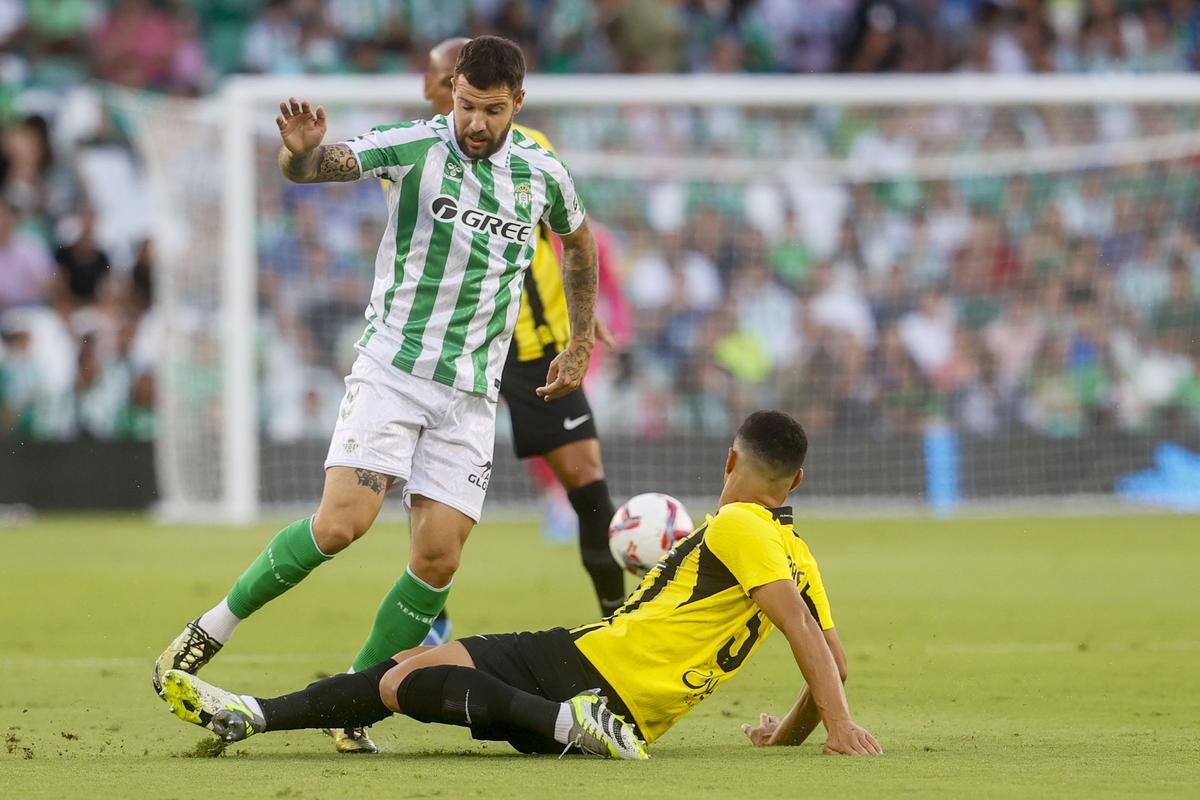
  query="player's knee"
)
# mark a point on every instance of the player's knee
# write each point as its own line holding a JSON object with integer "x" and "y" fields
{"x": 581, "y": 471}
{"x": 334, "y": 532}
{"x": 389, "y": 686}
{"x": 436, "y": 563}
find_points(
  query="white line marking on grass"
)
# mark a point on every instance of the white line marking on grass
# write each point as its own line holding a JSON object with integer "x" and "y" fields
{"x": 1034, "y": 648}
{"x": 131, "y": 661}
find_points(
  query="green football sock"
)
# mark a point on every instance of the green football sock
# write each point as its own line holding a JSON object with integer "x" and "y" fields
{"x": 288, "y": 559}
{"x": 402, "y": 620}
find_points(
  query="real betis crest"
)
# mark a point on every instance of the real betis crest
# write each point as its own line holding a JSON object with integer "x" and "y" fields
{"x": 523, "y": 196}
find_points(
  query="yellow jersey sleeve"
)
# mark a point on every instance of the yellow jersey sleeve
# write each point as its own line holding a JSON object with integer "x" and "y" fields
{"x": 542, "y": 322}
{"x": 748, "y": 546}
{"x": 813, "y": 592}
{"x": 536, "y": 135}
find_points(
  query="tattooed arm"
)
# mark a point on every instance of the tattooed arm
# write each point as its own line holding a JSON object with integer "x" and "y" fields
{"x": 329, "y": 162}
{"x": 580, "y": 281}
{"x": 302, "y": 158}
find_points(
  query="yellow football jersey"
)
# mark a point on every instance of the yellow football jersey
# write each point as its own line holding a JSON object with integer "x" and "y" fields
{"x": 691, "y": 625}
{"x": 543, "y": 322}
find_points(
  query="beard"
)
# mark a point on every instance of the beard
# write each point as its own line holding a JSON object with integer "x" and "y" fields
{"x": 489, "y": 147}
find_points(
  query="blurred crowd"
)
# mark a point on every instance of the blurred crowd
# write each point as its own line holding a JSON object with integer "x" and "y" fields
{"x": 77, "y": 345}
{"x": 876, "y": 299}
{"x": 185, "y": 46}
{"x": 885, "y": 297}
{"x": 881, "y": 298}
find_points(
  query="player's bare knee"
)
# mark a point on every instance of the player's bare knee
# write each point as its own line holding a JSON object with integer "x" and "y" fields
{"x": 334, "y": 532}
{"x": 583, "y": 476}
{"x": 577, "y": 464}
{"x": 436, "y": 564}
{"x": 390, "y": 685}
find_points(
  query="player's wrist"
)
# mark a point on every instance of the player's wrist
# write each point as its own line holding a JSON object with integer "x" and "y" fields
{"x": 839, "y": 725}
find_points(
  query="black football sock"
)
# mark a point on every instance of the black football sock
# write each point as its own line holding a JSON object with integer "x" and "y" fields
{"x": 469, "y": 698}
{"x": 595, "y": 509}
{"x": 349, "y": 700}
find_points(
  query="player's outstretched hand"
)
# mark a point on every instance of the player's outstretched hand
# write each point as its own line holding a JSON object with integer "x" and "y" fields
{"x": 762, "y": 735}
{"x": 851, "y": 740}
{"x": 301, "y": 128}
{"x": 566, "y": 371}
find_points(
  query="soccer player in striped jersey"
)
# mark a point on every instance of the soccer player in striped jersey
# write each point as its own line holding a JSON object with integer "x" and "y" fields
{"x": 466, "y": 193}
{"x": 563, "y": 431}
{"x": 607, "y": 687}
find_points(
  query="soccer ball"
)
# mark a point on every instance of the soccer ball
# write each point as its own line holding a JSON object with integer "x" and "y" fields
{"x": 645, "y": 528}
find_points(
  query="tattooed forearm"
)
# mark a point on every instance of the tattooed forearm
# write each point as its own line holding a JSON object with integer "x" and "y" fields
{"x": 374, "y": 481}
{"x": 337, "y": 162}
{"x": 580, "y": 284}
{"x": 328, "y": 162}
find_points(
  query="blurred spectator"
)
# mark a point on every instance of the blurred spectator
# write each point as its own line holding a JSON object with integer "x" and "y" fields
{"x": 928, "y": 331}
{"x": 1177, "y": 316}
{"x": 83, "y": 266}
{"x": 26, "y": 268}
{"x": 137, "y": 45}
{"x": 675, "y": 279}
{"x": 838, "y": 306}
{"x": 1013, "y": 341}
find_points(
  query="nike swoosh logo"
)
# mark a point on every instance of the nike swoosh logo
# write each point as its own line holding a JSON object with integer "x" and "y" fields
{"x": 571, "y": 424}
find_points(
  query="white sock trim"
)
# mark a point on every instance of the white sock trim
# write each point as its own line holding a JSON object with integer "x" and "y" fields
{"x": 325, "y": 555}
{"x": 220, "y": 622}
{"x": 562, "y": 725}
{"x": 445, "y": 588}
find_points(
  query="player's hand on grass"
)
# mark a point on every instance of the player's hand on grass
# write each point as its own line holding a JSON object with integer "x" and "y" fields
{"x": 764, "y": 734}
{"x": 851, "y": 740}
{"x": 301, "y": 128}
{"x": 566, "y": 370}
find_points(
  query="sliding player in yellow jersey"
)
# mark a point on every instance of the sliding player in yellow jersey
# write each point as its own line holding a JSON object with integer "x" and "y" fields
{"x": 610, "y": 687}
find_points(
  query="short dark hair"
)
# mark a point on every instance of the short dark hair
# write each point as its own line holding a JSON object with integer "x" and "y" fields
{"x": 490, "y": 61}
{"x": 776, "y": 440}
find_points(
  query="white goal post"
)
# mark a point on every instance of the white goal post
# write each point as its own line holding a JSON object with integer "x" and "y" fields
{"x": 244, "y": 110}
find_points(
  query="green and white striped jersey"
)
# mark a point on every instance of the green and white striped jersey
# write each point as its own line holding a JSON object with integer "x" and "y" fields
{"x": 460, "y": 235}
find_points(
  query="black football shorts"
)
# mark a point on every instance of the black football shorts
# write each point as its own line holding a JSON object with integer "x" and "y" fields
{"x": 538, "y": 426}
{"x": 544, "y": 663}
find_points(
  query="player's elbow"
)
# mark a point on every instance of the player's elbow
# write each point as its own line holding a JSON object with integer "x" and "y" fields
{"x": 843, "y": 673}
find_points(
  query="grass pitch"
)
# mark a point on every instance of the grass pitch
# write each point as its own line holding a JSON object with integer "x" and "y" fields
{"x": 1031, "y": 657}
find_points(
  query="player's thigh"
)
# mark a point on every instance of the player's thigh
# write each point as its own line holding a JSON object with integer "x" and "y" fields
{"x": 449, "y": 654}
{"x": 379, "y": 419}
{"x": 576, "y": 464}
{"x": 452, "y": 463}
{"x": 379, "y": 423}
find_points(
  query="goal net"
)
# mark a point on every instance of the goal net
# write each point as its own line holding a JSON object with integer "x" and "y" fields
{"x": 966, "y": 289}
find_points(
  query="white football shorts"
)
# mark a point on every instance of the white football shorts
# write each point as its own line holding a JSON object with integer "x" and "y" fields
{"x": 434, "y": 439}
